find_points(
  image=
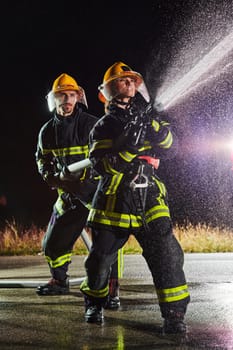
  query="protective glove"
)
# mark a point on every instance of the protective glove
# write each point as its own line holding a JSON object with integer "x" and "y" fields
{"x": 141, "y": 109}
{"x": 137, "y": 134}
{"x": 132, "y": 137}
{"x": 66, "y": 175}
{"x": 53, "y": 180}
{"x": 61, "y": 178}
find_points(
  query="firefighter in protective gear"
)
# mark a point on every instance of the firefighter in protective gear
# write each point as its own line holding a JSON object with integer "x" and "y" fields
{"x": 125, "y": 146}
{"x": 63, "y": 140}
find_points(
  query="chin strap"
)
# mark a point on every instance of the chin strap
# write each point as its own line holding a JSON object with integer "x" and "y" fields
{"x": 119, "y": 102}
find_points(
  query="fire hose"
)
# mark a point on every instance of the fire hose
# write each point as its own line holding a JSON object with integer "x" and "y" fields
{"x": 77, "y": 167}
{"x": 25, "y": 283}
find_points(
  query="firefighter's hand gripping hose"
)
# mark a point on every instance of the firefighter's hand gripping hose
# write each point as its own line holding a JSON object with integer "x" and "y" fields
{"x": 75, "y": 169}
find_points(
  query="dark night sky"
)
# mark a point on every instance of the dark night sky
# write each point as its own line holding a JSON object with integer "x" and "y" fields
{"x": 42, "y": 39}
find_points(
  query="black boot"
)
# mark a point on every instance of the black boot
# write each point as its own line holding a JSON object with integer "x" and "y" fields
{"x": 54, "y": 287}
{"x": 113, "y": 303}
{"x": 173, "y": 326}
{"x": 174, "y": 323}
{"x": 93, "y": 310}
{"x": 113, "y": 300}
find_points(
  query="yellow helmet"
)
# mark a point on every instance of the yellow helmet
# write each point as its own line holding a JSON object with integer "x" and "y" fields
{"x": 117, "y": 70}
{"x": 65, "y": 82}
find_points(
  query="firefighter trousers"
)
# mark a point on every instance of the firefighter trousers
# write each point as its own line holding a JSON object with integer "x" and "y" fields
{"x": 62, "y": 232}
{"x": 162, "y": 253}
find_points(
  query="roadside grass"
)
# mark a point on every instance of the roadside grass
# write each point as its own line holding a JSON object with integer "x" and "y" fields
{"x": 201, "y": 238}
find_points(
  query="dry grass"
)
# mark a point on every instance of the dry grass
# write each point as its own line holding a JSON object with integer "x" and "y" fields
{"x": 202, "y": 238}
{"x": 15, "y": 240}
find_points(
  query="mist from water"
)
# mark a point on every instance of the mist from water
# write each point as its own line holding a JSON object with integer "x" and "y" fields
{"x": 203, "y": 39}
{"x": 195, "y": 89}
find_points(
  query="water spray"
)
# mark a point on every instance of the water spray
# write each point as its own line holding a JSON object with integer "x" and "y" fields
{"x": 189, "y": 81}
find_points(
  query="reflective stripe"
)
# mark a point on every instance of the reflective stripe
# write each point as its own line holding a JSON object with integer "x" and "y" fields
{"x": 146, "y": 147}
{"x": 161, "y": 186}
{"x": 63, "y": 152}
{"x": 172, "y": 294}
{"x": 120, "y": 260}
{"x": 59, "y": 152}
{"x": 108, "y": 168}
{"x": 101, "y": 144}
{"x": 155, "y": 125}
{"x": 110, "y": 218}
{"x": 88, "y": 206}
{"x": 165, "y": 123}
{"x": 156, "y": 212}
{"x": 40, "y": 163}
{"x": 60, "y": 261}
{"x": 167, "y": 142}
{"x": 111, "y": 202}
{"x": 93, "y": 292}
{"x": 59, "y": 205}
{"x": 127, "y": 156}
{"x": 116, "y": 179}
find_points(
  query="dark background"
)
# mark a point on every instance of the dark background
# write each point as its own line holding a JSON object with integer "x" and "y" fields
{"x": 162, "y": 40}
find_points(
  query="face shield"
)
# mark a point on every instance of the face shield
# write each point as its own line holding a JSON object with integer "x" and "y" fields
{"x": 142, "y": 89}
{"x": 51, "y": 98}
{"x": 108, "y": 89}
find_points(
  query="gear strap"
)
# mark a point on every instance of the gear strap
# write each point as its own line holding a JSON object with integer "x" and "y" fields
{"x": 140, "y": 182}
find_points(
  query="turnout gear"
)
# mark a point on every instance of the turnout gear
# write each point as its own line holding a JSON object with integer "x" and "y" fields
{"x": 132, "y": 199}
{"x": 122, "y": 168}
{"x": 113, "y": 303}
{"x": 63, "y": 141}
{"x": 94, "y": 314}
{"x": 113, "y": 300}
{"x": 174, "y": 323}
{"x": 93, "y": 311}
{"x": 54, "y": 287}
{"x": 174, "y": 326}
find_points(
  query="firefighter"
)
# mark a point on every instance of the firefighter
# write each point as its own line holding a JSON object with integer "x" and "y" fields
{"x": 62, "y": 141}
{"x": 125, "y": 146}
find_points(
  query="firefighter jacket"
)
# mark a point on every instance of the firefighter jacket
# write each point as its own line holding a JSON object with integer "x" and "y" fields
{"x": 63, "y": 141}
{"x": 117, "y": 142}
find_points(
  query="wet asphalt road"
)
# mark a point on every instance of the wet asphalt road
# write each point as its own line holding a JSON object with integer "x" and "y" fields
{"x": 28, "y": 321}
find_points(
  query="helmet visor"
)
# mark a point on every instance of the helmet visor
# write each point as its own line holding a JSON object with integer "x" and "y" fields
{"x": 51, "y": 98}
{"x": 109, "y": 91}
